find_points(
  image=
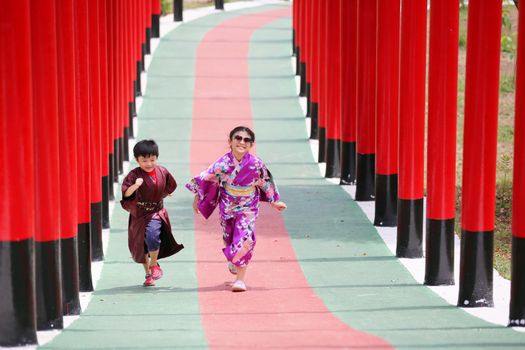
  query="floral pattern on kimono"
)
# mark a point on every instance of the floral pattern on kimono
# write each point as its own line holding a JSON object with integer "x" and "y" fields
{"x": 236, "y": 187}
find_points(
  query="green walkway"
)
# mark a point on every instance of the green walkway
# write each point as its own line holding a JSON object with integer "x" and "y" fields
{"x": 338, "y": 249}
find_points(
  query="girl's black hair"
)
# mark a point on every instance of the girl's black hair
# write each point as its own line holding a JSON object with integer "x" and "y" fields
{"x": 242, "y": 128}
{"x": 146, "y": 148}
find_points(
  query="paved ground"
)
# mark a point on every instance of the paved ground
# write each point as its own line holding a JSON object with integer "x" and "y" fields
{"x": 321, "y": 276}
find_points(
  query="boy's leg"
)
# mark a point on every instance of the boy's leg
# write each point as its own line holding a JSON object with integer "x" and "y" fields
{"x": 149, "y": 278}
{"x": 156, "y": 271}
{"x": 152, "y": 239}
{"x": 153, "y": 255}
{"x": 146, "y": 263}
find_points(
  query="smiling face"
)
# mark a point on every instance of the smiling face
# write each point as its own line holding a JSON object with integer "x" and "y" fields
{"x": 147, "y": 163}
{"x": 240, "y": 144}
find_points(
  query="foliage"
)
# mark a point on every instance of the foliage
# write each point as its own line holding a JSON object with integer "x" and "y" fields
{"x": 502, "y": 233}
{"x": 507, "y": 83}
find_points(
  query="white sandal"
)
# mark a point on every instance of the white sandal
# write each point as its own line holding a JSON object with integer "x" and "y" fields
{"x": 239, "y": 286}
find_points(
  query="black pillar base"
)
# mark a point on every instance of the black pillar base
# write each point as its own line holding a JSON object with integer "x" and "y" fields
{"x": 409, "y": 228}
{"x": 148, "y": 41}
{"x": 302, "y": 89}
{"x": 386, "y": 200}
{"x": 70, "y": 283}
{"x": 120, "y": 160}
{"x": 439, "y": 252}
{"x": 294, "y": 47}
{"x": 105, "y": 201}
{"x": 137, "y": 83}
{"x": 517, "y": 284}
{"x": 297, "y": 61}
{"x": 48, "y": 282}
{"x": 314, "y": 118}
{"x": 142, "y": 62}
{"x": 17, "y": 304}
{"x": 322, "y": 145}
{"x": 308, "y": 98}
{"x": 219, "y": 4}
{"x": 84, "y": 258}
{"x": 125, "y": 145}
{"x": 131, "y": 115}
{"x": 111, "y": 177}
{"x": 348, "y": 163}
{"x": 475, "y": 269}
{"x": 365, "y": 177}
{"x": 177, "y": 10}
{"x": 333, "y": 158}
{"x": 97, "y": 251}
{"x": 155, "y": 26}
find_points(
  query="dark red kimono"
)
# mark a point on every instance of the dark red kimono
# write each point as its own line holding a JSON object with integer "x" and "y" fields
{"x": 142, "y": 204}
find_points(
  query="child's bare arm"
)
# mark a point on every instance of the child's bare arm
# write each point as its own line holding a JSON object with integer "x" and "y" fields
{"x": 131, "y": 189}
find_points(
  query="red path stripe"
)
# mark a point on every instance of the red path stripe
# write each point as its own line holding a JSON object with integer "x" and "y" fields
{"x": 280, "y": 309}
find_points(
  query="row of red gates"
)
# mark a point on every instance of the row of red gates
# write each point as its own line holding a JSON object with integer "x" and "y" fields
{"x": 363, "y": 69}
{"x": 69, "y": 76}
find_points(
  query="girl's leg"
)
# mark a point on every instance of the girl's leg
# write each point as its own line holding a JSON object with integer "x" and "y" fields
{"x": 241, "y": 272}
{"x": 243, "y": 240}
{"x": 239, "y": 285}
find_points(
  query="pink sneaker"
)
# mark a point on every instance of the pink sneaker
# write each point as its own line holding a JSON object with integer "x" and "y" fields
{"x": 149, "y": 282}
{"x": 156, "y": 272}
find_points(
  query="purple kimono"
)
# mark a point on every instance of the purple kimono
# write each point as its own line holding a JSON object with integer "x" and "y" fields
{"x": 237, "y": 187}
{"x": 142, "y": 205}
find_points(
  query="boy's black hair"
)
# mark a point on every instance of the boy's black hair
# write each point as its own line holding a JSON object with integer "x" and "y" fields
{"x": 146, "y": 148}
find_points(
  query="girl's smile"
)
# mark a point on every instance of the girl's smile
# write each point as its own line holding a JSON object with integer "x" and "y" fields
{"x": 240, "y": 144}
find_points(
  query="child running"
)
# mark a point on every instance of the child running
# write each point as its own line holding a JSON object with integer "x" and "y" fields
{"x": 149, "y": 230}
{"x": 237, "y": 181}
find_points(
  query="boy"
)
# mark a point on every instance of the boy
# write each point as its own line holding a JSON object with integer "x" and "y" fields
{"x": 149, "y": 230}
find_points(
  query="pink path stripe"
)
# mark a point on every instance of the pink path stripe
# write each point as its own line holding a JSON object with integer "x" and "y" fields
{"x": 280, "y": 309}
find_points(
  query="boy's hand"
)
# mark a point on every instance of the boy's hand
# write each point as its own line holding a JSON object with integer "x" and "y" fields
{"x": 195, "y": 205}
{"x": 139, "y": 181}
{"x": 279, "y": 205}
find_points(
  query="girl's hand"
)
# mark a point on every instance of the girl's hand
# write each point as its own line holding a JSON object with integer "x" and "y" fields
{"x": 139, "y": 181}
{"x": 279, "y": 205}
{"x": 195, "y": 205}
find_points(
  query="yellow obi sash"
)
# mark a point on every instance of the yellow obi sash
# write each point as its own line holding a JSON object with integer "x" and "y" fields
{"x": 239, "y": 191}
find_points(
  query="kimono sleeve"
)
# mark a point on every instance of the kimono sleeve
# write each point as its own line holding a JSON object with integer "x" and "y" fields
{"x": 206, "y": 186}
{"x": 268, "y": 189}
{"x": 171, "y": 184}
{"x": 129, "y": 203}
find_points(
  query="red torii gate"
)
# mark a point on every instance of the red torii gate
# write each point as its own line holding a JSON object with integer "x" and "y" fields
{"x": 406, "y": 181}
{"x": 73, "y": 75}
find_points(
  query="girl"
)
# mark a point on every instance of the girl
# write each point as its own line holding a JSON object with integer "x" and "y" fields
{"x": 237, "y": 181}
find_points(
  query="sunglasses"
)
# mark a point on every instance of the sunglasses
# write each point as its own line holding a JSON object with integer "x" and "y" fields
{"x": 239, "y": 138}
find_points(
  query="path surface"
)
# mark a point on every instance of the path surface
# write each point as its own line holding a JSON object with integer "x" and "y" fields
{"x": 321, "y": 276}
